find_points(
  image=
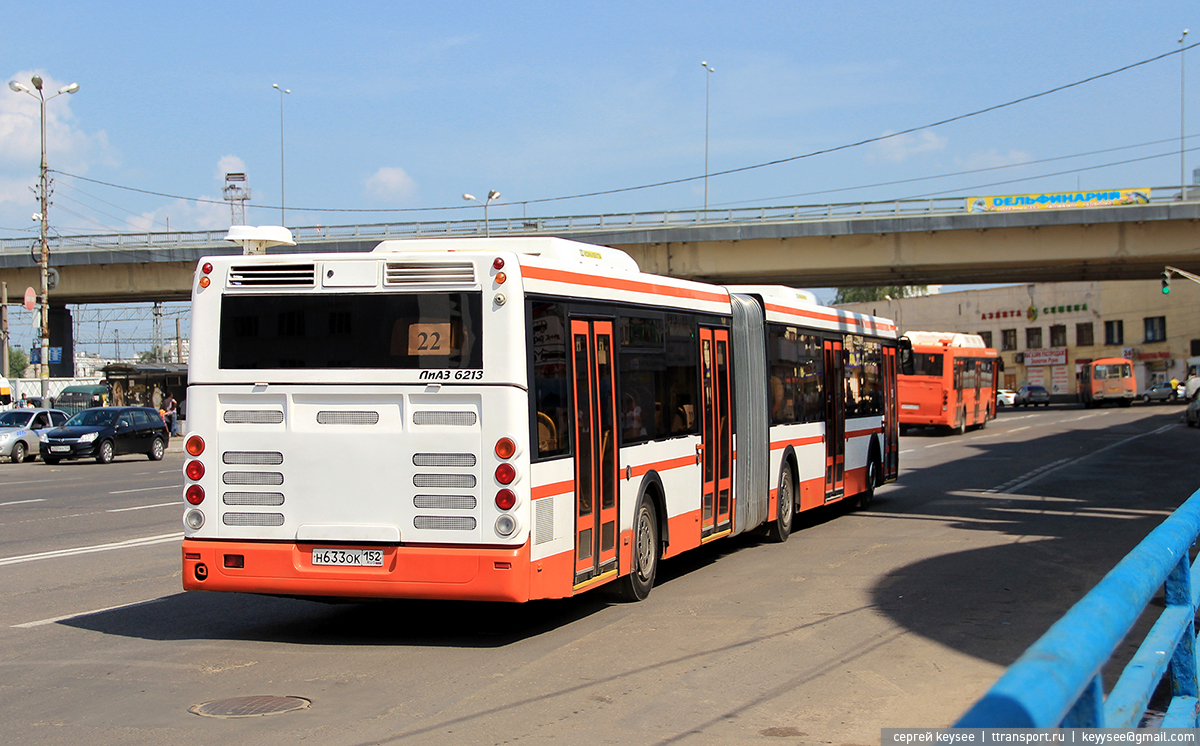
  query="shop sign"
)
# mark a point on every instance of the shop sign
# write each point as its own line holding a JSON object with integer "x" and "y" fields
{"x": 1053, "y": 356}
{"x": 1059, "y": 200}
{"x": 1163, "y": 355}
{"x": 1002, "y": 315}
{"x": 1070, "y": 308}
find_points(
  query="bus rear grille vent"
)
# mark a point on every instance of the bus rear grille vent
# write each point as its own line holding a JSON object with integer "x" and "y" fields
{"x": 252, "y": 458}
{"x": 252, "y": 477}
{"x": 445, "y": 502}
{"x": 444, "y": 522}
{"x": 543, "y": 521}
{"x": 429, "y": 273}
{"x": 252, "y": 519}
{"x": 273, "y": 275}
{"x": 444, "y": 459}
{"x": 456, "y": 481}
{"x": 253, "y": 416}
{"x": 444, "y": 418}
{"x": 252, "y": 498}
{"x": 348, "y": 418}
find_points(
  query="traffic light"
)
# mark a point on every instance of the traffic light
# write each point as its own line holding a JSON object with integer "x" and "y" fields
{"x": 1166, "y": 282}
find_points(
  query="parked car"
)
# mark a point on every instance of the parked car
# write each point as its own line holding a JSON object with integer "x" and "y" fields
{"x": 105, "y": 433}
{"x": 1005, "y": 398}
{"x": 1032, "y": 396}
{"x": 19, "y": 430}
{"x": 1192, "y": 414}
{"x": 1160, "y": 392}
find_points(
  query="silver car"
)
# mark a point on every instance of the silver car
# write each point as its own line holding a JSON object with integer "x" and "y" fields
{"x": 19, "y": 431}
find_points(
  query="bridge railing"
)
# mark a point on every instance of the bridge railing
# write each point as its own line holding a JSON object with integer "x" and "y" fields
{"x": 1058, "y": 681}
{"x": 514, "y": 226}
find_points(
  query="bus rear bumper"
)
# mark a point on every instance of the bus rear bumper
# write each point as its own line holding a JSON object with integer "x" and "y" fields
{"x": 286, "y": 569}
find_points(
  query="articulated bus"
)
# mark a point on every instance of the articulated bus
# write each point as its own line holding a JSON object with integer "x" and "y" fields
{"x": 509, "y": 419}
{"x": 951, "y": 382}
{"x": 1109, "y": 379}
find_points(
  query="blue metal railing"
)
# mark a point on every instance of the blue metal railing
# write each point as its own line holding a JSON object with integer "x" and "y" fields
{"x": 1058, "y": 681}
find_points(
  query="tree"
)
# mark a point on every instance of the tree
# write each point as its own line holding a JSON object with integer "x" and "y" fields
{"x": 860, "y": 295}
{"x": 18, "y": 361}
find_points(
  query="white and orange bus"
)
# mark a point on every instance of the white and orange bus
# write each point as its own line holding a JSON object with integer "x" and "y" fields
{"x": 1109, "y": 379}
{"x": 509, "y": 419}
{"x": 950, "y": 382}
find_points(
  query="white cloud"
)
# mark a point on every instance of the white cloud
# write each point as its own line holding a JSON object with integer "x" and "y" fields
{"x": 229, "y": 164}
{"x": 900, "y": 148}
{"x": 67, "y": 147}
{"x": 390, "y": 184}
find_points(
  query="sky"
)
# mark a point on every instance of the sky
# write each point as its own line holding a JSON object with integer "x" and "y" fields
{"x": 398, "y": 108}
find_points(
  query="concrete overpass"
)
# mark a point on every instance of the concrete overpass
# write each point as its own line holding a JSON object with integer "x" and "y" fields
{"x": 893, "y": 243}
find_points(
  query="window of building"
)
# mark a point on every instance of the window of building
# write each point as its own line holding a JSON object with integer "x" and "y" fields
{"x": 1008, "y": 339}
{"x": 1058, "y": 336}
{"x": 1033, "y": 338}
{"x": 1084, "y": 335}
{"x": 1114, "y": 332}
{"x": 987, "y": 338}
{"x": 1156, "y": 329}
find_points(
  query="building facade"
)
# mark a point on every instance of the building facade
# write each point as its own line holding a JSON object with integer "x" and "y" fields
{"x": 1045, "y": 332}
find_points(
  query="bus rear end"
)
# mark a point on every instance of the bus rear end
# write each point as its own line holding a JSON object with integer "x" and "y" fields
{"x": 1108, "y": 379}
{"x": 354, "y": 431}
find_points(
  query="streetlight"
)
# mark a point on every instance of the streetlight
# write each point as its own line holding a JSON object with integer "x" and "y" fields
{"x": 492, "y": 195}
{"x": 282, "y": 189}
{"x": 707, "y": 79}
{"x": 44, "y": 198}
{"x": 899, "y": 311}
{"x": 1182, "y": 171}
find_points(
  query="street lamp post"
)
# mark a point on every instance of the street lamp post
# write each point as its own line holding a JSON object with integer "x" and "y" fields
{"x": 44, "y": 200}
{"x": 492, "y": 195}
{"x": 1182, "y": 89}
{"x": 707, "y": 80}
{"x": 282, "y": 186}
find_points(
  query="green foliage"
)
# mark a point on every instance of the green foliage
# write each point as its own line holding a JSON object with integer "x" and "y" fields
{"x": 861, "y": 295}
{"x": 18, "y": 361}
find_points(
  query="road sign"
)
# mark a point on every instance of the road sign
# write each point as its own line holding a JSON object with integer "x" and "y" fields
{"x": 30, "y": 298}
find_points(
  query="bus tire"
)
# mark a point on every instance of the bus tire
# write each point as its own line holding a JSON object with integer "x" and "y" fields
{"x": 637, "y": 584}
{"x": 960, "y": 424}
{"x": 781, "y": 528}
{"x": 867, "y": 496}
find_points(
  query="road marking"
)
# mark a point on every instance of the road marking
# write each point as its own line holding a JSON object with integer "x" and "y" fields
{"x": 1033, "y": 476}
{"x": 52, "y": 620}
{"x": 146, "y": 489}
{"x": 910, "y": 450}
{"x": 144, "y": 541}
{"x": 939, "y": 445}
{"x": 22, "y": 502}
{"x": 42, "y": 481}
{"x": 142, "y": 507}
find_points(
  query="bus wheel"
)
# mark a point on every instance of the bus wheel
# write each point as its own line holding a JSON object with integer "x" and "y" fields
{"x": 959, "y": 425}
{"x": 868, "y": 495}
{"x": 781, "y": 528}
{"x": 637, "y": 584}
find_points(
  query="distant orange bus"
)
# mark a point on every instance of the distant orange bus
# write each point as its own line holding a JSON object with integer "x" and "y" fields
{"x": 948, "y": 381}
{"x": 1109, "y": 379}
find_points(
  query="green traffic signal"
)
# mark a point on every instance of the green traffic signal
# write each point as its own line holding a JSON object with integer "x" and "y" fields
{"x": 1166, "y": 283}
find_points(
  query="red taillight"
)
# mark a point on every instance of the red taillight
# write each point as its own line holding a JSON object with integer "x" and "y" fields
{"x": 207, "y": 268}
{"x": 505, "y": 499}
{"x": 194, "y": 470}
{"x": 195, "y": 445}
{"x": 506, "y": 473}
{"x": 195, "y": 494}
{"x": 498, "y": 263}
{"x": 505, "y": 448}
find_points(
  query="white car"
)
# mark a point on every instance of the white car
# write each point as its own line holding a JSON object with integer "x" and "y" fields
{"x": 19, "y": 430}
{"x": 1005, "y": 398}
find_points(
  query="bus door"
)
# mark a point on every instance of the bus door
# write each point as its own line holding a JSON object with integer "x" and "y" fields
{"x": 835, "y": 419}
{"x": 891, "y": 416}
{"x": 595, "y": 449}
{"x": 716, "y": 445}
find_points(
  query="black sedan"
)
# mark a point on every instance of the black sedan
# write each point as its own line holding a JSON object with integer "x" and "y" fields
{"x": 105, "y": 433}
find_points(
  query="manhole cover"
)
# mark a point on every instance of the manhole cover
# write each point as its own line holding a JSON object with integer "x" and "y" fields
{"x": 248, "y": 707}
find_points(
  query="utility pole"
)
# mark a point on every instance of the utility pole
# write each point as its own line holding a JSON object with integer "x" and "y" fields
{"x": 3, "y": 329}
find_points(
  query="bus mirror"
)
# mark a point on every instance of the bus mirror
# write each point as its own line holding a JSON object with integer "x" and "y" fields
{"x": 906, "y": 356}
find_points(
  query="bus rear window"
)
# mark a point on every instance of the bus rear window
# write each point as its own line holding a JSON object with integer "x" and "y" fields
{"x": 375, "y": 330}
{"x": 927, "y": 364}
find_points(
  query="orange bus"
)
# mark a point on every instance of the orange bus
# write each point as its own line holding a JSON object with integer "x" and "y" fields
{"x": 948, "y": 381}
{"x": 1109, "y": 379}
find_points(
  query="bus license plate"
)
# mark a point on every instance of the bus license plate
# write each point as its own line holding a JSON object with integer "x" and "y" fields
{"x": 352, "y": 557}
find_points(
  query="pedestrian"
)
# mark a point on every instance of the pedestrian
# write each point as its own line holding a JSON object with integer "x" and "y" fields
{"x": 169, "y": 411}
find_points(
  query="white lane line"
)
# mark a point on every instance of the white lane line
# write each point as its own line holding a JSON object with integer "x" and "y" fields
{"x": 22, "y": 502}
{"x": 144, "y": 541}
{"x": 1019, "y": 429}
{"x": 910, "y": 450}
{"x": 175, "y": 503}
{"x": 939, "y": 445}
{"x": 40, "y": 481}
{"x": 1039, "y": 473}
{"x": 146, "y": 489}
{"x": 52, "y": 620}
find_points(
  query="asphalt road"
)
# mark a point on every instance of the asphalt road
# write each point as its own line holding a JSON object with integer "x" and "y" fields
{"x": 900, "y": 616}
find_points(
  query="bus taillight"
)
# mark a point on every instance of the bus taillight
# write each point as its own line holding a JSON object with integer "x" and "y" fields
{"x": 194, "y": 470}
{"x": 506, "y": 448}
{"x": 506, "y": 499}
{"x": 195, "y": 445}
{"x": 195, "y": 494}
{"x": 498, "y": 263}
{"x": 506, "y": 473}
